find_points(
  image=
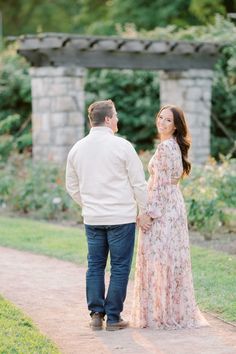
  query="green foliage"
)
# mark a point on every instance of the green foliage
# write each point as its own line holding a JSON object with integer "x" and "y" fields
{"x": 10, "y": 123}
{"x": 34, "y": 188}
{"x": 15, "y": 103}
{"x": 208, "y": 191}
{"x": 204, "y": 216}
{"x": 136, "y": 96}
{"x": 223, "y": 102}
{"x": 19, "y": 335}
{"x": 14, "y": 82}
{"x": 24, "y": 17}
{"x": 180, "y": 13}
{"x": 37, "y": 189}
{"x": 136, "y": 14}
{"x": 205, "y": 10}
{"x": 103, "y": 16}
{"x": 221, "y": 30}
{"x": 24, "y": 141}
{"x": 94, "y": 17}
{"x": 160, "y": 12}
{"x": 6, "y": 146}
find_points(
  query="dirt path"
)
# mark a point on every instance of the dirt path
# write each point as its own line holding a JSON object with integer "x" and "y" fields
{"x": 52, "y": 293}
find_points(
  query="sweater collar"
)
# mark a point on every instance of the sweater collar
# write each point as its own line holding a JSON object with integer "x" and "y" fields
{"x": 101, "y": 130}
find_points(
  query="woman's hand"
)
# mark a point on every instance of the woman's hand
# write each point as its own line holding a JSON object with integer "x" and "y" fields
{"x": 144, "y": 222}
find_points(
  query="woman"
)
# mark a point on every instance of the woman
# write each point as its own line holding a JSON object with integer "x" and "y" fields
{"x": 164, "y": 294}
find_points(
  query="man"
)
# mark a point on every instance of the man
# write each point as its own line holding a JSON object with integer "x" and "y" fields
{"x": 105, "y": 176}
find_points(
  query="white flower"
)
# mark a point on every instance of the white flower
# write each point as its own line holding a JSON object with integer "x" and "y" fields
{"x": 56, "y": 200}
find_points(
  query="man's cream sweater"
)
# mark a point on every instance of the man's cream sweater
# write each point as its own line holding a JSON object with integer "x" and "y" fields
{"x": 105, "y": 176}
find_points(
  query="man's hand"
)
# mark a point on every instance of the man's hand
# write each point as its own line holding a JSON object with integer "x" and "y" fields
{"x": 144, "y": 222}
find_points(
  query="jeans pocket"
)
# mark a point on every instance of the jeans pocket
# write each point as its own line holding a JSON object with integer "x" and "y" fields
{"x": 90, "y": 232}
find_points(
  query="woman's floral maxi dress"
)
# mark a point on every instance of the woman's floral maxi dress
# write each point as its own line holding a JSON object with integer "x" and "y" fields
{"x": 164, "y": 294}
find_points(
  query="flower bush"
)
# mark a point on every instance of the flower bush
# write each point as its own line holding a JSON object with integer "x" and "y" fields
{"x": 208, "y": 192}
{"x": 38, "y": 190}
{"x": 35, "y": 188}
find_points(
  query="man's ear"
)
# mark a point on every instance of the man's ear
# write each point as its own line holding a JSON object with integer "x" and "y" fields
{"x": 107, "y": 120}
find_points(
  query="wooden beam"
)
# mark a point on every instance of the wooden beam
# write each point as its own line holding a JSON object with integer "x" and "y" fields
{"x": 70, "y": 56}
{"x": 61, "y": 49}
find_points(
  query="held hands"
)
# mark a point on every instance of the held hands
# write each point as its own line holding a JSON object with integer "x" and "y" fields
{"x": 144, "y": 222}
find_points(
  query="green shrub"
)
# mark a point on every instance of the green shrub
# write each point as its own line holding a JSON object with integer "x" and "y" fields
{"x": 35, "y": 188}
{"x": 24, "y": 141}
{"x": 136, "y": 96}
{"x": 15, "y": 102}
{"x": 224, "y": 103}
{"x": 9, "y": 123}
{"x": 207, "y": 192}
{"x": 6, "y": 146}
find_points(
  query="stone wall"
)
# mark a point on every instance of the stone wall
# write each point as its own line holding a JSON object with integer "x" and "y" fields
{"x": 191, "y": 90}
{"x": 58, "y": 108}
{"x": 58, "y": 111}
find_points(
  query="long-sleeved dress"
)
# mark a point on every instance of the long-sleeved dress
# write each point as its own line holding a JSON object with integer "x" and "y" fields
{"x": 163, "y": 292}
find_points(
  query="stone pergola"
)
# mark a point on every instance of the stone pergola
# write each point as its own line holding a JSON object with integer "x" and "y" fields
{"x": 59, "y": 62}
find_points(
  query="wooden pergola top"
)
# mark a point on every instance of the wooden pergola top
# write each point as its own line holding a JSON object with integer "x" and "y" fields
{"x": 59, "y": 49}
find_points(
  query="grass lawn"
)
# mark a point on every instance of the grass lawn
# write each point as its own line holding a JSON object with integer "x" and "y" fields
{"x": 215, "y": 281}
{"x": 19, "y": 335}
{"x": 214, "y": 272}
{"x": 67, "y": 243}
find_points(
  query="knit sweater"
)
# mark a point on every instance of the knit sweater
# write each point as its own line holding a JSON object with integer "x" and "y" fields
{"x": 105, "y": 176}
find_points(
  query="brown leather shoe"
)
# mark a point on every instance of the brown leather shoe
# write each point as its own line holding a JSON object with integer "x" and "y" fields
{"x": 117, "y": 325}
{"x": 96, "y": 321}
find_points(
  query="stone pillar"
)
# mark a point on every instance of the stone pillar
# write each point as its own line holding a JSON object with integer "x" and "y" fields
{"x": 191, "y": 90}
{"x": 58, "y": 111}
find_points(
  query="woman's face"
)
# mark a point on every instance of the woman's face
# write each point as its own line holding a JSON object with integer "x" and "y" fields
{"x": 165, "y": 123}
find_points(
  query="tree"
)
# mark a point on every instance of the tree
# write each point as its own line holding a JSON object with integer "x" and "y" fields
{"x": 205, "y": 10}
{"x": 94, "y": 17}
{"x": 103, "y": 16}
{"x": 31, "y": 16}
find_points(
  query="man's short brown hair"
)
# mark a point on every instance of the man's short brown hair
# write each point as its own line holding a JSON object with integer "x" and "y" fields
{"x": 98, "y": 110}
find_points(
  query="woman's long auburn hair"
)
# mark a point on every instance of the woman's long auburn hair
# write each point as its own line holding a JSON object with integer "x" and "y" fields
{"x": 181, "y": 135}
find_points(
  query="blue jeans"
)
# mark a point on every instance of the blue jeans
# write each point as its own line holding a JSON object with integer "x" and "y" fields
{"x": 119, "y": 241}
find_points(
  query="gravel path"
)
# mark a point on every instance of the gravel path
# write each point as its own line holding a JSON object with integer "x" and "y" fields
{"x": 52, "y": 293}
